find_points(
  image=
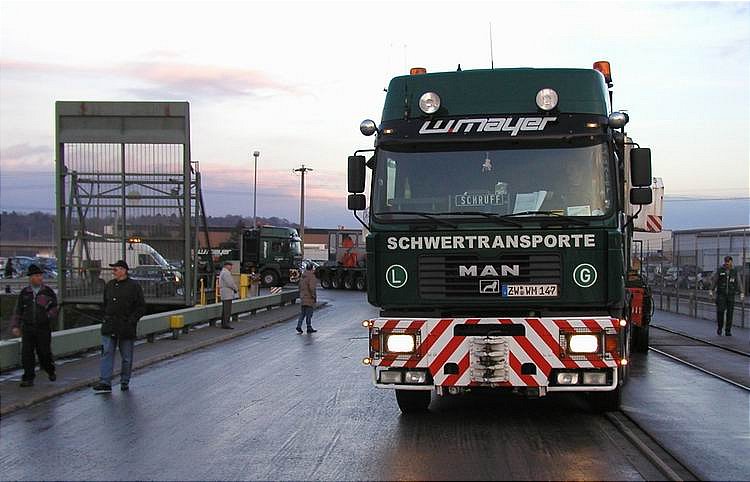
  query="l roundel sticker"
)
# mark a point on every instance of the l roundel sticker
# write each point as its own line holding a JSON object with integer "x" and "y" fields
{"x": 584, "y": 275}
{"x": 396, "y": 276}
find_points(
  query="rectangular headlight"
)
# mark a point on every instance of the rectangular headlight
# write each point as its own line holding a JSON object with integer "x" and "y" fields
{"x": 415, "y": 376}
{"x": 400, "y": 343}
{"x": 390, "y": 376}
{"x": 583, "y": 344}
{"x": 594, "y": 378}
{"x": 567, "y": 378}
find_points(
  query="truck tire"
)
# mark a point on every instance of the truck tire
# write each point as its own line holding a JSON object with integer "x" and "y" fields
{"x": 336, "y": 282}
{"x": 413, "y": 401}
{"x": 269, "y": 278}
{"x": 325, "y": 282}
{"x": 349, "y": 282}
{"x": 361, "y": 283}
{"x": 605, "y": 401}
{"x": 640, "y": 339}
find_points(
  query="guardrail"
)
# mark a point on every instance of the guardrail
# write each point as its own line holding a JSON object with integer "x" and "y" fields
{"x": 78, "y": 340}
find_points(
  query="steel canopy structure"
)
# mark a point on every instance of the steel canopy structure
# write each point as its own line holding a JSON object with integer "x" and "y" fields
{"x": 125, "y": 189}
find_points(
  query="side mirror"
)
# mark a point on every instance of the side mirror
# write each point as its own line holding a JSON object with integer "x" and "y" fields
{"x": 356, "y": 175}
{"x": 640, "y": 167}
{"x": 640, "y": 196}
{"x": 356, "y": 202}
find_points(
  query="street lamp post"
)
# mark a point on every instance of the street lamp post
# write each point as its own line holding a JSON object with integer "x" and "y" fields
{"x": 256, "y": 154}
{"x": 302, "y": 170}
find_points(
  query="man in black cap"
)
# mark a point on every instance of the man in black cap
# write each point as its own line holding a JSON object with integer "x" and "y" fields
{"x": 123, "y": 307}
{"x": 727, "y": 283}
{"x": 33, "y": 317}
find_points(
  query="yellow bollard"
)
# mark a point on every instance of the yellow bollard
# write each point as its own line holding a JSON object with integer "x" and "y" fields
{"x": 202, "y": 284}
{"x": 217, "y": 298}
{"x": 244, "y": 285}
{"x": 176, "y": 323}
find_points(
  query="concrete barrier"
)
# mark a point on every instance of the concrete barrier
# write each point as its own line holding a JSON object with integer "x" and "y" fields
{"x": 78, "y": 340}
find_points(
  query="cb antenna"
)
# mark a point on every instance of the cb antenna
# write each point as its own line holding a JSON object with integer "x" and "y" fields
{"x": 492, "y": 55}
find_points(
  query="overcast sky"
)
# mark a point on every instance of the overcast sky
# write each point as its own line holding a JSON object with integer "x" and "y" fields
{"x": 295, "y": 79}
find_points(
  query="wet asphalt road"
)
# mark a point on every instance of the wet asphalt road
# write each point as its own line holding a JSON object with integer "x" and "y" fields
{"x": 275, "y": 405}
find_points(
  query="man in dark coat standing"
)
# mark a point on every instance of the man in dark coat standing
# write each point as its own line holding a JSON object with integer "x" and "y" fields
{"x": 123, "y": 307}
{"x": 33, "y": 317}
{"x": 307, "y": 297}
{"x": 727, "y": 283}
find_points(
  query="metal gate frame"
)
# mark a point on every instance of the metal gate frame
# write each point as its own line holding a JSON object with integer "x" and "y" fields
{"x": 123, "y": 123}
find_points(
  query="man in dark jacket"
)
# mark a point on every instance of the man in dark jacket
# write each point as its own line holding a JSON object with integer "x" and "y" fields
{"x": 727, "y": 283}
{"x": 33, "y": 317}
{"x": 308, "y": 297}
{"x": 123, "y": 307}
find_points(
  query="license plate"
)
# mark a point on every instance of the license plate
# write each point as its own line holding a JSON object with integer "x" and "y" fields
{"x": 510, "y": 291}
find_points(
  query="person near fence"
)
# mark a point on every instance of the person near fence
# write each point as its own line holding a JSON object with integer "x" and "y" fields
{"x": 725, "y": 285}
{"x": 123, "y": 307}
{"x": 9, "y": 269}
{"x": 307, "y": 284}
{"x": 228, "y": 293}
{"x": 32, "y": 320}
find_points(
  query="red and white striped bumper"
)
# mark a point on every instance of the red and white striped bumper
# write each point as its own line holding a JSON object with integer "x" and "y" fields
{"x": 528, "y": 358}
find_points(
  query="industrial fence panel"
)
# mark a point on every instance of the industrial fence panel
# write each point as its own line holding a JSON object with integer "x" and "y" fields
{"x": 680, "y": 271}
{"x": 126, "y": 191}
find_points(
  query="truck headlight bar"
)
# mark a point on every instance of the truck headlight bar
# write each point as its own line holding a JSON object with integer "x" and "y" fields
{"x": 583, "y": 344}
{"x": 429, "y": 102}
{"x": 400, "y": 343}
{"x": 546, "y": 99}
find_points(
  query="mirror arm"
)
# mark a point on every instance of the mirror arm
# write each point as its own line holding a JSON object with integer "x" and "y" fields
{"x": 361, "y": 221}
{"x": 631, "y": 219}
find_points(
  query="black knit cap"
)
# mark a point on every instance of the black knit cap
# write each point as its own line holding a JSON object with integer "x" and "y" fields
{"x": 121, "y": 264}
{"x": 34, "y": 269}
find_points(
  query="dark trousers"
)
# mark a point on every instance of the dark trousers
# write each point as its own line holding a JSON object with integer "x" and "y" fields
{"x": 36, "y": 340}
{"x": 305, "y": 314}
{"x": 725, "y": 304}
{"x": 226, "y": 312}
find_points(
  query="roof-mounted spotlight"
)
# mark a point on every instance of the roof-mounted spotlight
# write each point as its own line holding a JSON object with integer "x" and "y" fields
{"x": 617, "y": 120}
{"x": 367, "y": 127}
{"x": 546, "y": 99}
{"x": 429, "y": 103}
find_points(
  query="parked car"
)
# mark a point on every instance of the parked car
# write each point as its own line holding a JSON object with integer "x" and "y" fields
{"x": 157, "y": 281}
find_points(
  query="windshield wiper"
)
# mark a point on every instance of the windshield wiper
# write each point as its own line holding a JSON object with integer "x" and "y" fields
{"x": 429, "y": 216}
{"x": 499, "y": 219}
{"x": 561, "y": 217}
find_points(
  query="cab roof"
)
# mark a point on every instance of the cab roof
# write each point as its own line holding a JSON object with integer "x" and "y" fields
{"x": 497, "y": 91}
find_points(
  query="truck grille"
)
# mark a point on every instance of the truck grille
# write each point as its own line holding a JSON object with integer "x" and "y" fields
{"x": 439, "y": 275}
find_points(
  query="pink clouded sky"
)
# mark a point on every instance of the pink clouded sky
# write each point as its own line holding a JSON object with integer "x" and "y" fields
{"x": 294, "y": 79}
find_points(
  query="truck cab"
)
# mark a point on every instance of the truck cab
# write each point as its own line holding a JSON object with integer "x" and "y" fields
{"x": 500, "y": 227}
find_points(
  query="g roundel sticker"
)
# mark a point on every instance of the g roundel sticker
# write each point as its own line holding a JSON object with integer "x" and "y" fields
{"x": 584, "y": 275}
{"x": 396, "y": 276}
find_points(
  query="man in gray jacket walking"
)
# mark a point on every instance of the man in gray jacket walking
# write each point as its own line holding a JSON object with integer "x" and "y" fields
{"x": 308, "y": 297}
{"x": 228, "y": 293}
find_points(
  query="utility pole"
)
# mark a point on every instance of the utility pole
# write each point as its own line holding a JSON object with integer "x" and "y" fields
{"x": 302, "y": 170}
{"x": 256, "y": 154}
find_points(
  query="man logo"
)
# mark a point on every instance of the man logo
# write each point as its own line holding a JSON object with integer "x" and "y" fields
{"x": 584, "y": 275}
{"x": 489, "y": 286}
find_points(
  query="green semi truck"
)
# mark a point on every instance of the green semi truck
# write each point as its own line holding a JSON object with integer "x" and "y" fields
{"x": 500, "y": 220}
{"x": 271, "y": 251}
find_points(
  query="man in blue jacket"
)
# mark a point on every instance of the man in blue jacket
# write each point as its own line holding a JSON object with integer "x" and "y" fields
{"x": 123, "y": 307}
{"x": 33, "y": 317}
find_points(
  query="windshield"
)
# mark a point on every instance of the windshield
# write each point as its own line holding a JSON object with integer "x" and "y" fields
{"x": 567, "y": 181}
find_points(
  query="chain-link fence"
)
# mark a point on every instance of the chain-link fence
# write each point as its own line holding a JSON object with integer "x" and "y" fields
{"x": 680, "y": 270}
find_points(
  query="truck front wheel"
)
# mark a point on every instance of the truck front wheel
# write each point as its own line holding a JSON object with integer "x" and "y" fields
{"x": 640, "y": 339}
{"x": 325, "y": 282}
{"x": 361, "y": 283}
{"x": 413, "y": 401}
{"x": 269, "y": 278}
